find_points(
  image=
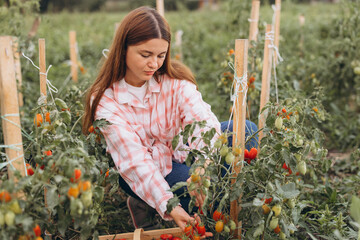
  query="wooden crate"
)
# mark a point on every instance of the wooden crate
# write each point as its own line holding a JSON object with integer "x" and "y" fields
{"x": 140, "y": 234}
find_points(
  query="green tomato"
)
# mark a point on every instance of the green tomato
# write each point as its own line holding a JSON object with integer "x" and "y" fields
{"x": 232, "y": 225}
{"x": 279, "y": 123}
{"x": 10, "y": 218}
{"x": 357, "y": 70}
{"x": 224, "y": 151}
{"x": 291, "y": 203}
{"x": 273, "y": 223}
{"x": 226, "y": 229}
{"x": 218, "y": 144}
{"x": 206, "y": 183}
{"x": 86, "y": 198}
{"x": 15, "y": 207}
{"x": 302, "y": 167}
{"x": 229, "y": 159}
{"x": 282, "y": 236}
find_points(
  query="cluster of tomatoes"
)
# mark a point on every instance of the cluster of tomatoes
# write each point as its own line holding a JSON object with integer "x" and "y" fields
{"x": 10, "y": 207}
{"x": 250, "y": 155}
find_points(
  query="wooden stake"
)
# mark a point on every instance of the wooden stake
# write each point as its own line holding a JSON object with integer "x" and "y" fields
{"x": 160, "y": 7}
{"x": 34, "y": 28}
{"x": 254, "y": 19}
{"x": 18, "y": 76}
{"x": 266, "y": 77}
{"x": 73, "y": 56}
{"x": 10, "y": 108}
{"x": 42, "y": 65}
{"x": 241, "y": 56}
{"x": 277, "y": 24}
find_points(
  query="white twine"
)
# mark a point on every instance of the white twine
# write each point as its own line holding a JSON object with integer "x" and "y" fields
{"x": 103, "y": 52}
{"x": 11, "y": 146}
{"x": 270, "y": 36}
{"x": 252, "y": 20}
{"x": 51, "y": 87}
{"x": 238, "y": 81}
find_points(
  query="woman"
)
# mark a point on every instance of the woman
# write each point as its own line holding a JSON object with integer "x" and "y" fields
{"x": 147, "y": 98}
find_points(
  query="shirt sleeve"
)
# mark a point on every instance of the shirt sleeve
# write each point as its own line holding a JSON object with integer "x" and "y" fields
{"x": 133, "y": 161}
{"x": 193, "y": 108}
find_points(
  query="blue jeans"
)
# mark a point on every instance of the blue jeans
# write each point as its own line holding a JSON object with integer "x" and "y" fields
{"x": 180, "y": 172}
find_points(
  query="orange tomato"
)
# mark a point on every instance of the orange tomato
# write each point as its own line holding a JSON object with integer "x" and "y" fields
{"x": 48, "y": 153}
{"x": 219, "y": 227}
{"x": 84, "y": 186}
{"x": 107, "y": 173}
{"x": 47, "y": 117}
{"x": 195, "y": 177}
{"x": 5, "y": 196}
{"x": 38, "y": 120}
{"x": 266, "y": 209}
{"x": 277, "y": 230}
{"x": 73, "y": 192}
{"x": 91, "y": 129}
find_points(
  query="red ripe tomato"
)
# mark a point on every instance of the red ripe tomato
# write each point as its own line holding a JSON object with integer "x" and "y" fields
{"x": 37, "y": 230}
{"x": 268, "y": 200}
{"x": 177, "y": 238}
{"x": 200, "y": 229}
{"x": 166, "y": 237}
{"x": 48, "y": 153}
{"x": 284, "y": 166}
{"x": 246, "y": 154}
{"x": 217, "y": 215}
{"x": 253, "y": 153}
{"x": 189, "y": 231}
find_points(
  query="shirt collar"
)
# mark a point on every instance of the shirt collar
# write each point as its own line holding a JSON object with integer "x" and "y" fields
{"x": 123, "y": 96}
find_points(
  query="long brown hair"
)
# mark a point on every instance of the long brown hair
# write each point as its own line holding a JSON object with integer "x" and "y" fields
{"x": 140, "y": 25}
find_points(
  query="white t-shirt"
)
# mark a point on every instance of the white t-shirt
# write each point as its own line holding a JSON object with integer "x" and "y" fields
{"x": 138, "y": 92}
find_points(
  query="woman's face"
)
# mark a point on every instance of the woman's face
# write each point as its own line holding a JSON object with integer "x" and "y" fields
{"x": 144, "y": 59}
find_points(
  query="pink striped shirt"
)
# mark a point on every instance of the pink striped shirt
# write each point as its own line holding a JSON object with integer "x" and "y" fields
{"x": 139, "y": 137}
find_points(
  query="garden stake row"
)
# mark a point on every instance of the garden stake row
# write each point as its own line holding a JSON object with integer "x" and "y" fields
{"x": 42, "y": 70}
{"x": 43, "y": 80}
{"x": 73, "y": 56}
{"x": 277, "y": 25}
{"x": 254, "y": 19}
{"x": 241, "y": 59}
{"x": 160, "y": 7}
{"x": 253, "y": 31}
{"x": 10, "y": 109}
{"x": 265, "y": 80}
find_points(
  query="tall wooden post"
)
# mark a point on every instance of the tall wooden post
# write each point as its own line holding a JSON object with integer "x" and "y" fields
{"x": 18, "y": 76}
{"x": 253, "y": 31}
{"x": 277, "y": 24}
{"x": 42, "y": 65}
{"x": 160, "y": 7}
{"x": 254, "y": 19}
{"x": 73, "y": 56}
{"x": 241, "y": 62}
{"x": 266, "y": 77}
{"x": 10, "y": 108}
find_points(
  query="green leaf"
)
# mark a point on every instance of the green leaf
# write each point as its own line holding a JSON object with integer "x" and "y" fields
{"x": 173, "y": 202}
{"x": 355, "y": 209}
{"x": 178, "y": 185}
{"x": 52, "y": 198}
{"x": 175, "y": 142}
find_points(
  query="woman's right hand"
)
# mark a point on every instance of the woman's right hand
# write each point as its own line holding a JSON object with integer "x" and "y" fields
{"x": 182, "y": 218}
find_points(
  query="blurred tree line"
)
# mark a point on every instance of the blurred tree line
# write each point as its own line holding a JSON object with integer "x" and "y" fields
{"x": 126, "y": 5}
